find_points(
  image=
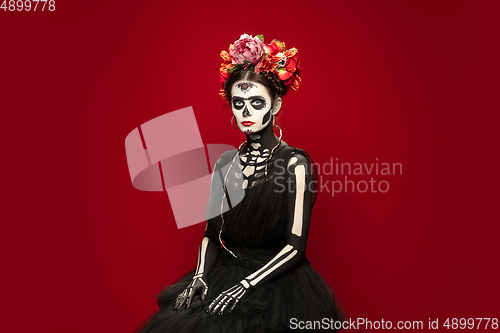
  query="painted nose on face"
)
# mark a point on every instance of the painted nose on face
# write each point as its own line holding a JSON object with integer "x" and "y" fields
{"x": 246, "y": 112}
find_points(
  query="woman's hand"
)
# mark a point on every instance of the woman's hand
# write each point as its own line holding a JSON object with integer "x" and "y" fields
{"x": 197, "y": 285}
{"x": 228, "y": 298}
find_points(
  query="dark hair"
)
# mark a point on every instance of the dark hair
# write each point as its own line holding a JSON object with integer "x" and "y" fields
{"x": 274, "y": 85}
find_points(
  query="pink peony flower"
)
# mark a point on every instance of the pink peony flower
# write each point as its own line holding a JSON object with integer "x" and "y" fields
{"x": 246, "y": 50}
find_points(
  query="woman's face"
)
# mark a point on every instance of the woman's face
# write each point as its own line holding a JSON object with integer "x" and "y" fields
{"x": 252, "y": 106}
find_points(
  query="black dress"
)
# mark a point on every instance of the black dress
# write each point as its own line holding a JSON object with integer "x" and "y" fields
{"x": 254, "y": 229}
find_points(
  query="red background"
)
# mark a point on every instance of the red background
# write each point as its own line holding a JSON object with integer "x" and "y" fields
{"x": 410, "y": 82}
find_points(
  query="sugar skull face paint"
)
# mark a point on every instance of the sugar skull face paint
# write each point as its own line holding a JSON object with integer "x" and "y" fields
{"x": 245, "y": 86}
{"x": 252, "y": 106}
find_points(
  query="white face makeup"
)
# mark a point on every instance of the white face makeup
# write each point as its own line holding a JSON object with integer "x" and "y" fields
{"x": 251, "y": 104}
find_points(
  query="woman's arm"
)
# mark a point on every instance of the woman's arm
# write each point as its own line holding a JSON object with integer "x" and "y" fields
{"x": 300, "y": 202}
{"x": 208, "y": 253}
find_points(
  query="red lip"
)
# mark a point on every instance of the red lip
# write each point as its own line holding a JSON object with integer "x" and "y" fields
{"x": 247, "y": 123}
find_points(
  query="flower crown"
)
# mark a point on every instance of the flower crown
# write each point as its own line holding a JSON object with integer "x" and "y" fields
{"x": 270, "y": 58}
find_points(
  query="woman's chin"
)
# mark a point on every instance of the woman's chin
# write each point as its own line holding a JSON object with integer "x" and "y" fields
{"x": 253, "y": 131}
{"x": 248, "y": 131}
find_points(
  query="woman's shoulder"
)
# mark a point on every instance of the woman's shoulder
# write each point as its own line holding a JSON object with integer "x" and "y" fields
{"x": 297, "y": 154}
{"x": 300, "y": 157}
{"x": 225, "y": 158}
{"x": 228, "y": 154}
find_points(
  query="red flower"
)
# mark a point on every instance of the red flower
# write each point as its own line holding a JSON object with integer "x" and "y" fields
{"x": 273, "y": 48}
{"x": 268, "y": 63}
{"x": 292, "y": 67}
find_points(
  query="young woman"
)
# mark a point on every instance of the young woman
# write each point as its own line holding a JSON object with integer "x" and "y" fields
{"x": 252, "y": 273}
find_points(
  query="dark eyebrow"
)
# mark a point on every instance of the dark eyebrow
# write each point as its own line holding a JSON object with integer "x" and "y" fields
{"x": 247, "y": 98}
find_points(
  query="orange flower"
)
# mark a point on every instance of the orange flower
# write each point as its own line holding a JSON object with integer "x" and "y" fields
{"x": 226, "y": 57}
{"x": 223, "y": 94}
{"x": 265, "y": 65}
{"x": 294, "y": 83}
{"x": 224, "y": 71}
{"x": 291, "y": 52}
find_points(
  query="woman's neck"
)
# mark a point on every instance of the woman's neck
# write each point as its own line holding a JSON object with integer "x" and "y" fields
{"x": 264, "y": 139}
{"x": 254, "y": 156}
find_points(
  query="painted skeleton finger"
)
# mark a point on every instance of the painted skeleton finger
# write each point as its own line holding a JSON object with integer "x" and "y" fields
{"x": 219, "y": 305}
{"x": 224, "y": 306}
{"x": 189, "y": 297}
{"x": 229, "y": 298}
{"x": 234, "y": 305}
{"x": 205, "y": 293}
{"x": 237, "y": 297}
{"x": 214, "y": 302}
{"x": 180, "y": 299}
{"x": 177, "y": 301}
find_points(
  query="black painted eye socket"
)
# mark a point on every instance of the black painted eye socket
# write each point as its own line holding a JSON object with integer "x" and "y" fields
{"x": 258, "y": 103}
{"x": 238, "y": 104}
